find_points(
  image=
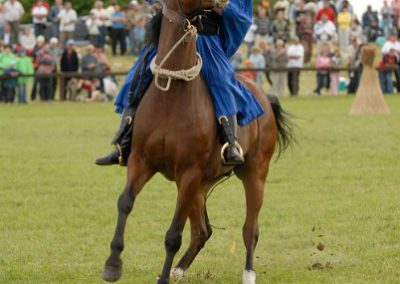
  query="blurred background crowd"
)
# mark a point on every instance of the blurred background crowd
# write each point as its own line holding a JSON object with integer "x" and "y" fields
{"x": 285, "y": 37}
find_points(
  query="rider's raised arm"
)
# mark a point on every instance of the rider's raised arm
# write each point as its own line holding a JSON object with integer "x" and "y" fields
{"x": 237, "y": 18}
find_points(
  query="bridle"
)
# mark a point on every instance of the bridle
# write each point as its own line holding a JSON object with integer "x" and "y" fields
{"x": 189, "y": 23}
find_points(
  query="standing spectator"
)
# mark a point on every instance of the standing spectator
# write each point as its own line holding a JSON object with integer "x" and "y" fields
{"x": 40, "y": 11}
{"x": 389, "y": 61}
{"x": 55, "y": 53}
{"x": 267, "y": 53}
{"x": 295, "y": 54}
{"x": 299, "y": 10}
{"x": 304, "y": 31}
{"x": 68, "y": 17}
{"x": 139, "y": 32}
{"x": 395, "y": 7}
{"x": 118, "y": 30}
{"x": 46, "y": 66}
{"x": 10, "y": 84}
{"x": 336, "y": 63}
{"x": 324, "y": 32}
{"x": 280, "y": 27}
{"x": 344, "y": 25}
{"x": 100, "y": 14}
{"x": 53, "y": 18}
{"x": 387, "y": 20}
{"x": 312, "y": 7}
{"x": 279, "y": 61}
{"x": 7, "y": 37}
{"x": 257, "y": 60}
{"x": 283, "y": 5}
{"x": 69, "y": 63}
{"x": 328, "y": 11}
{"x": 374, "y": 32}
{"x": 368, "y": 17}
{"x": 40, "y": 42}
{"x": 264, "y": 26}
{"x": 93, "y": 25}
{"x": 28, "y": 40}
{"x": 323, "y": 63}
{"x": 133, "y": 15}
{"x": 356, "y": 31}
{"x": 14, "y": 14}
{"x": 237, "y": 60}
{"x": 392, "y": 43}
{"x": 5, "y": 59}
{"x": 3, "y": 18}
{"x": 250, "y": 37}
{"x": 25, "y": 67}
{"x": 110, "y": 10}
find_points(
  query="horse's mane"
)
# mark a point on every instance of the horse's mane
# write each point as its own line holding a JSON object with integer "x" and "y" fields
{"x": 153, "y": 29}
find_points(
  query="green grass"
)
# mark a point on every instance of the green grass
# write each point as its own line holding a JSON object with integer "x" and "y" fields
{"x": 339, "y": 186}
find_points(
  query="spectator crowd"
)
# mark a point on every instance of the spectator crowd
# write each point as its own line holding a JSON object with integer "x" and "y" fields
{"x": 284, "y": 37}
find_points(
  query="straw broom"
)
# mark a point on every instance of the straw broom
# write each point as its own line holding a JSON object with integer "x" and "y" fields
{"x": 369, "y": 98}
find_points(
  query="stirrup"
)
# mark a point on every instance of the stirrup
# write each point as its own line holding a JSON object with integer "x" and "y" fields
{"x": 226, "y": 146}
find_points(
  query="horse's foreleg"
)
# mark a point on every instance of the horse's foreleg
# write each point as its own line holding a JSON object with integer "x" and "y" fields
{"x": 200, "y": 232}
{"x": 138, "y": 175}
{"x": 188, "y": 187}
{"x": 253, "y": 183}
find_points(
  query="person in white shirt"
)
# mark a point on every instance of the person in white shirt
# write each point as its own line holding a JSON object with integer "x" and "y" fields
{"x": 39, "y": 17}
{"x": 324, "y": 32}
{"x": 391, "y": 43}
{"x": 28, "y": 40}
{"x": 68, "y": 18}
{"x": 283, "y": 5}
{"x": 295, "y": 53}
{"x": 100, "y": 14}
{"x": 14, "y": 12}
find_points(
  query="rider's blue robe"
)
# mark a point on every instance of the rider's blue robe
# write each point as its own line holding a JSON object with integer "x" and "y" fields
{"x": 229, "y": 96}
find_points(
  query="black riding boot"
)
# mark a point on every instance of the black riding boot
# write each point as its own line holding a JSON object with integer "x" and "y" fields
{"x": 231, "y": 152}
{"x": 122, "y": 141}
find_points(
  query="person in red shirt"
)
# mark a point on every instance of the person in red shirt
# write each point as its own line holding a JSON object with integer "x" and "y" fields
{"x": 387, "y": 65}
{"x": 327, "y": 10}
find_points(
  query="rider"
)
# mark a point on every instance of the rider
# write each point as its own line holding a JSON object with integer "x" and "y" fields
{"x": 222, "y": 35}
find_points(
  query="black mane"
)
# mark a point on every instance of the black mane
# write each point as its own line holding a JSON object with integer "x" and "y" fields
{"x": 153, "y": 29}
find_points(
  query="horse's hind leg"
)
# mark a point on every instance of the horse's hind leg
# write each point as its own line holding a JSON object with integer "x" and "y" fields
{"x": 200, "y": 232}
{"x": 138, "y": 175}
{"x": 189, "y": 187}
{"x": 253, "y": 180}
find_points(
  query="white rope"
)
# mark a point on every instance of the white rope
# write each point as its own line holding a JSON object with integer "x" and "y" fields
{"x": 186, "y": 74}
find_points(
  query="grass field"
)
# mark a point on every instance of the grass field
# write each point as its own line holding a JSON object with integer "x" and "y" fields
{"x": 339, "y": 187}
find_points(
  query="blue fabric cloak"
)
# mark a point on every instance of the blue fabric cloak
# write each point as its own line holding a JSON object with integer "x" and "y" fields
{"x": 229, "y": 96}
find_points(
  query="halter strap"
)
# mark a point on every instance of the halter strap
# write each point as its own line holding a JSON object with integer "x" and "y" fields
{"x": 173, "y": 16}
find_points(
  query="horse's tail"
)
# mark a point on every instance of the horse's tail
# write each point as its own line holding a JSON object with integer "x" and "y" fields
{"x": 284, "y": 125}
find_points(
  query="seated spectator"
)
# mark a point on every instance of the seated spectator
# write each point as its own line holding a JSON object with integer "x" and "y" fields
{"x": 324, "y": 31}
{"x": 390, "y": 62}
{"x": 280, "y": 27}
{"x": 10, "y": 84}
{"x": 295, "y": 54}
{"x": 368, "y": 17}
{"x": 104, "y": 65}
{"x": 374, "y": 32}
{"x": 267, "y": 53}
{"x": 7, "y": 36}
{"x": 69, "y": 63}
{"x": 356, "y": 31}
{"x": 40, "y": 11}
{"x": 89, "y": 63}
{"x": 257, "y": 60}
{"x": 27, "y": 40}
{"x": 323, "y": 62}
{"x": 327, "y": 11}
{"x": 46, "y": 66}
{"x": 336, "y": 63}
{"x": 279, "y": 60}
{"x": 24, "y": 67}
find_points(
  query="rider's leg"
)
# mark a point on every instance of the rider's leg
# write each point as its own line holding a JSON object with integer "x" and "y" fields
{"x": 232, "y": 155}
{"x": 137, "y": 86}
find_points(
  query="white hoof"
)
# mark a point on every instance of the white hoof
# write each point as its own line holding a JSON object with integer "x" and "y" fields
{"x": 249, "y": 277}
{"x": 177, "y": 273}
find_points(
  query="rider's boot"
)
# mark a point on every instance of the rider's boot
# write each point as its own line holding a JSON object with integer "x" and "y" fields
{"x": 122, "y": 142}
{"x": 232, "y": 154}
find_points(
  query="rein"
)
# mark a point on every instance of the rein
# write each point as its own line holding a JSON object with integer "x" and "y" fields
{"x": 185, "y": 74}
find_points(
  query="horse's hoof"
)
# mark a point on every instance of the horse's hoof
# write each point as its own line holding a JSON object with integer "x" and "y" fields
{"x": 249, "y": 277}
{"x": 112, "y": 273}
{"x": 177, "y": 273}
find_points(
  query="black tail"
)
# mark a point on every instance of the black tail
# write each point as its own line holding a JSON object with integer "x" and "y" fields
{"x": 284, "y": 125}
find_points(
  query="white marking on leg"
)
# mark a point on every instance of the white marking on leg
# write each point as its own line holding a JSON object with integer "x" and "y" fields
{"x": 177, "y": 273}
{"x": 249, "y": 277}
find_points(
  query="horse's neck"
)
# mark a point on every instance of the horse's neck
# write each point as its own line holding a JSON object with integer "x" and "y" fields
{"x": 184, "y": 56}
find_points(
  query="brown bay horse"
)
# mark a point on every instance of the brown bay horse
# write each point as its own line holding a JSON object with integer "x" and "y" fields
{"x": 176, "y": 134}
